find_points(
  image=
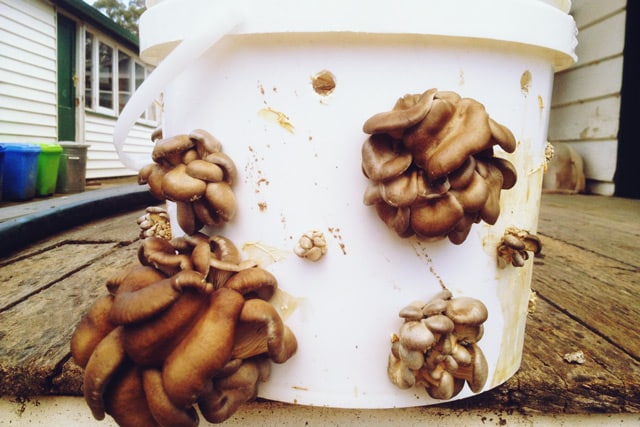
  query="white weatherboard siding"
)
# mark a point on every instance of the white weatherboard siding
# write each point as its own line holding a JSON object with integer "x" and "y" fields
{"x": 102, "y": 159}
{"x": 28, "y": 88}
{"x": 585, "y": 110}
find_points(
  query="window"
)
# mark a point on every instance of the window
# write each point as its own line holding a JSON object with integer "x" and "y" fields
{"x": 111, "y": 77}
{"x": 105, "y": 61}
{"x": 88, "y": 67}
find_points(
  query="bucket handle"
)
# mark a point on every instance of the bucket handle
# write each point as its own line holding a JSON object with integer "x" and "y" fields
{"x": 221, "y": 23}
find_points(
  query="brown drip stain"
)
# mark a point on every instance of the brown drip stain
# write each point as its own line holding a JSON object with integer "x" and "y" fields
{"x": 525, "y": 82}
{"x": 335, "y": 233}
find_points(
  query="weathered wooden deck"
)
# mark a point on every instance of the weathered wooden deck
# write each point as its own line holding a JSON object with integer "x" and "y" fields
{"x": 587, "y": 288}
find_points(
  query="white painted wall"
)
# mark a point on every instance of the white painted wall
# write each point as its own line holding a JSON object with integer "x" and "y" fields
{"x": 28, "y": 88}
{"x": 585, "y": 109}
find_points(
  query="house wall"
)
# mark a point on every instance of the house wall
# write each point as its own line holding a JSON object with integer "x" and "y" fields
{"x": 28, "y": 90}
{"x": 28, "y": 87}
{"x": 585, "y": 108}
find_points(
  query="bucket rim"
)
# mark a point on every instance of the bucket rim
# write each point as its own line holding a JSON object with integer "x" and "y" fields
{"x": 526, "y": 22}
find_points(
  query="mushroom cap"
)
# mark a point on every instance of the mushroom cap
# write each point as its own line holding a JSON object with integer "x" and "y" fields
{"x": 436, "y": 217}
{"x": 398, "y": 219}
{"x": 169, "y": 150}
{"x": 438, "y": 324}
{"x": 415, "y": 335}
{"x": 384, "y": 158}
{"x": 399, "y": 373}
{"x": 205, "y": 171}
{"x": 408, "y": 111}
{"x": 205, "y": 142}
{"x": 467, "y": 311}
{"x": 448, "y": 135}
{"x": 226, "y": 164}
{"x": 221, "y": 198}
{"x": 178, "y": 185}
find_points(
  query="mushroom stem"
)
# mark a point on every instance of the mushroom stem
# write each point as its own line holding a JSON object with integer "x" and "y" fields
{"x": 101, "y": 368}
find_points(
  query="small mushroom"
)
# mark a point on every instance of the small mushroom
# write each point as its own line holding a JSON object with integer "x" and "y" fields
{"x": 311, "y": 245}
{"x": 515, "y": 245}
{"x": 178, "y": 185}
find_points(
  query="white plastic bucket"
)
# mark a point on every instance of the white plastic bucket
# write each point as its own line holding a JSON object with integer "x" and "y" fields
{"x": 242, "y": 71}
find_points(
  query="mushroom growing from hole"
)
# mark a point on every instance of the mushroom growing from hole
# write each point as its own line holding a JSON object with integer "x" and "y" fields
{"x": 431, "y": 165}
{"x": 312, "y": 245}
{"x": 192, "y": 171}
{"x": 437, "y": 346}
{"x": 190, "y": 325}
{"x": 515, "y": 245}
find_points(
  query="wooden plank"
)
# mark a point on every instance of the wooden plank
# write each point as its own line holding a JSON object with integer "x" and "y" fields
{"x": 609, "y": 380}
{"x": 597, "y": 291}
{"x": 598, "y": 119}
{"x": 36, "y": 333}
{"x": 586, "y": 12}
{"x": 118, "y": 229}
{"x": 604, "y": 39}
{"x": 45, "y": 269}
{"x": 594, "y": 81}
{"x": 604, "y": 225}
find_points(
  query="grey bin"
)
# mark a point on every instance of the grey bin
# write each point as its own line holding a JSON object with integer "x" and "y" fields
{"x": 73, "y": 168}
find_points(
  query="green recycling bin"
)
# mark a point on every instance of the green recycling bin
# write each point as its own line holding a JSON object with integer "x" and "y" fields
{"x": 48, "y": 163}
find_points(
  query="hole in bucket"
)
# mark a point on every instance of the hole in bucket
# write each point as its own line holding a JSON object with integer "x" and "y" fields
{"x": 323, "y": 82}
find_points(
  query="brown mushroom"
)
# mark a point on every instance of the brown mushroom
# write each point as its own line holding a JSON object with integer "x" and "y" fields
{"x": 101, "y": 368}
{"x": 161, "y": 255}
{"x": 205, "y": 142}
{"x": 205, "y": 171}
{"x": 436, "y": 217}
{"x": 253, "y": 282}
{"x": 408, "y": 111}
{"x": 383, "y": 158}
{"x": 204, "y": 350}
{"x": 149, "y": 342}
{"x": 226, "y": 164}
{"x": 140, "y": 299}
{"x": 170, "y": 150}
{"x": 225, "y": 395}
{"x": 161, "y": 407}
{"x": 178, "y": 185}
{"x": 91, "y": 329}
{"x": 125, "y": 399}
{"x": 221, "y": 199}
{"x": 261, "y": 330}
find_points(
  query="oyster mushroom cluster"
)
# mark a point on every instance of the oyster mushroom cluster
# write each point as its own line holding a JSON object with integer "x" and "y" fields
{"x": 155, "y": 222}
{"x": 192, "y": 171}
{"x": 437, "y": 346}
{"x": 431, "y": 165}
{"x": 190, "y": 325}
{"x": 515, "y": 246}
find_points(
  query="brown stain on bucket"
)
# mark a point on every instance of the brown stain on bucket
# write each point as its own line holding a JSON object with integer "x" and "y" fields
{"x": 525, "y": 82}
{"x": 277, "y": 117}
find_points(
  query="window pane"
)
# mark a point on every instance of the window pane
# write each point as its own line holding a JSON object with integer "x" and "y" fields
{"x": 124, "y": 79}
{"x": 88, "y": 70}
{"x": 106, "y": 76}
